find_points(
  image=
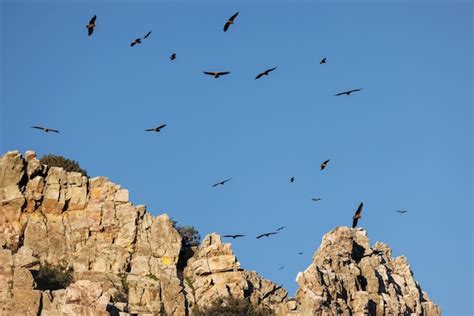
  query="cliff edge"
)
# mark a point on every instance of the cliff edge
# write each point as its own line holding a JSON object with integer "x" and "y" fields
{"x": 125, "y": 261}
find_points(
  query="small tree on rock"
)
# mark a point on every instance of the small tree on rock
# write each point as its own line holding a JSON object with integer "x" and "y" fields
{"x": 62, "y": 162}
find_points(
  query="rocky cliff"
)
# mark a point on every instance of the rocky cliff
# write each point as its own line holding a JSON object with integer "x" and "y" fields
{"x": 126, "y": 261}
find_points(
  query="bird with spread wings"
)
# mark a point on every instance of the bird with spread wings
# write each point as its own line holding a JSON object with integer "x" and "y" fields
{"x": 91, "y": 25}
{"x": 347, "y": 92}
{"x": 266, "y": 235}
{"x": 155, "y": 129}
{"x": 230, "y": 21}
{"x": 265, "y": 73}
{"x": 221, "y": 183}
{"x": 45, "y": 129}
{"x": 233, "y": 236}
{"x": 357, "y": 215}
{"x": 216, "y": 74}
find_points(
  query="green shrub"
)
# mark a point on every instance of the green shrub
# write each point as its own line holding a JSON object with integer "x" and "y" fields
{"x": 53, "y": 277}
{"x": 232, "y": 307}
{"x": 59, "y": 161}
{"x": 190, "y": 235}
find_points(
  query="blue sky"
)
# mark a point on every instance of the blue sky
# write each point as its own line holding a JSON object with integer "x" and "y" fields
{"x": 404, "y": 142}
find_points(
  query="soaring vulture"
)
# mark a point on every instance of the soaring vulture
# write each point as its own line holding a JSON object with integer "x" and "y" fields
{"x": 230, "y": 21}
{"x": 265, "y": 73}
{"x": 91, "y": 25}
{"x": 221, "y": 183}
{"x": 347, "y": 92}
{"x": 233, "y": 236}
{"x": 216, "y": 74}
{"x": 266, "y": 235}
{"x": 45, "y": 129}
{"x": 357, "y": 215}
{"x": 155, "y": 129}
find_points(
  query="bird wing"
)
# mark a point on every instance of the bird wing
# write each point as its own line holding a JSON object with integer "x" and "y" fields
{"x": 209, "y": 73}
{"x": 39, "y": 127}
{"x": 229, "y": 236}
{"x": 234, "y": 16}
{"x": 90, "y": 30}
{"x": 271, "y": 69}
{"x": 260, "y": 236}
{"x": 53, "y": 130}
{"x": 161, "y": 126}
{"x": 226, "y": 26}
{"x": 226, "y": 180}
{"x": 92, "y": 20}
{"x": 354, "y": 222}
{"x": 340, "y": 93}
{"x": 147, "y": 34}
{"x": 150, "y": 129}
{"x": 354, "y": 90}
{"x": 359, "y": 209}
{"x": 216, "y": 184}
{"x": 223, "y": 73}
{"x": 259, "y": 75}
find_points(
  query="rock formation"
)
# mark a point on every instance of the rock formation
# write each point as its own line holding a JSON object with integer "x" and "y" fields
{"x": 126, "y": 261}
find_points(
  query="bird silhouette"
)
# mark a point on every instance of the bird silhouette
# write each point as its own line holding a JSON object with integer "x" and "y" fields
{"x": 265, "y": 73}
{"x": 292, "y": 179}
{"x": 155, "y": 129}
{"x": 281, "y": 268}
{"x": 173, "y": 56}
{"x": 45, "y": 129}
{"x": 280, "y": 228}
{"x": 266, "y": 235}
{"x": 146, "y": 35}
{"x": 233, "y": 236}
{"x": 324, "y": 164}
{"x": 300, "y": 253}
{"x": 221, "y": 183}
{"x": 323, "y": 61}
{"x": 91, "y": 25}
{"x": 401, "y": 211}
{"x": 136, "y": 41}
{"x": 216, "y": 74}
{"x": 316, "y": 200}
{"x": 357, "y": 215}
{"x": 347, "y": 92}
{"x": 230, "y": 21}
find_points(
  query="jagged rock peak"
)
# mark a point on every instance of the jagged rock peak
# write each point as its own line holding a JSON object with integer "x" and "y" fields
{"x": 348, "y": 277}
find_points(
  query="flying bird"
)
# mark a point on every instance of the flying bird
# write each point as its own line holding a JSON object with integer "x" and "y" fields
{"x": 266, "y": 235}
{"x": 401, "y": 211}
{"x": 300, "y": 253}
{"x": 281, "y": 268}
{"x": 292, "y": 179}
{"x": 216, "y": 74}
{"x": 146, "y": 35}
{"x": 323, "y": 61}
{"x": 230, "y": 21}
{"x": 136, "y": 41}
{"x": 155, "y": 129}
{"x": 91, "y": 25}
{"x": 173, "y": 56}
{"x": 316, "y": 200}
{"x": 357, "y": 215}
{"x": 45, "y": 129}
{"x": 265, "y": 73}
{"x": 347, "y": 92}
{"x": 221, "y": 183}
{"x": 233, "y": 236}
{"x": 324, "y": 164}
{"x": 280, "y": 228}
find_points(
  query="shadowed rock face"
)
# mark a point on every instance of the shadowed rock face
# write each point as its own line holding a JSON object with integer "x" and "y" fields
{"x": 126, "y": 260}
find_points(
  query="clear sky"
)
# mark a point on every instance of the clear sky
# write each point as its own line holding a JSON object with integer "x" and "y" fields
{"x": 404, "y": 142}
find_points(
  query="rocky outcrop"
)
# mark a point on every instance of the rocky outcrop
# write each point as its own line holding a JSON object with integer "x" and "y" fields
{"x": 126, "y": 261}
{"x": 213, "y": 272}
{"x": 349, "y": 277}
